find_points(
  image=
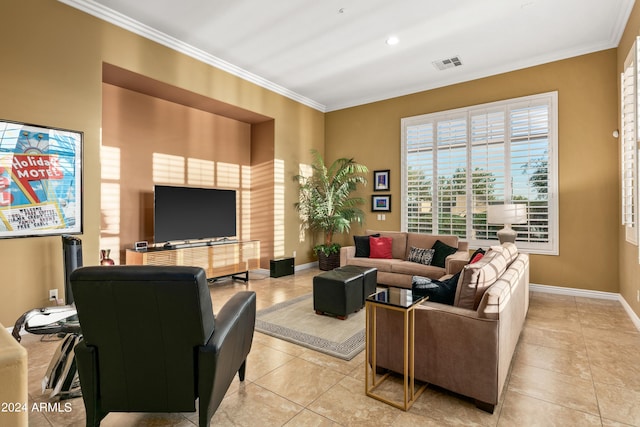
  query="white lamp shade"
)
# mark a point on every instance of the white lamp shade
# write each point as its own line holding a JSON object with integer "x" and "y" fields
{"x": 507, "y": 214}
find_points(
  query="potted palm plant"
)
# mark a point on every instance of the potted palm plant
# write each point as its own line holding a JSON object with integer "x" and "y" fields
{"x": 327, "y": 205}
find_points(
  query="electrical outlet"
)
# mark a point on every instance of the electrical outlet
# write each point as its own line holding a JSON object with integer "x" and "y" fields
{"x": 53, "y": 295}
{"x": 294, "y": 254}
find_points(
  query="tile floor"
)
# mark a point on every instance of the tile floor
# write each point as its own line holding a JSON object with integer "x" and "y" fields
{"x": 577, "y": 363}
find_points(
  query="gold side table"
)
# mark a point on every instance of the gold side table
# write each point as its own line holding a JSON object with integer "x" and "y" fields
{"x": 405, "y": 301}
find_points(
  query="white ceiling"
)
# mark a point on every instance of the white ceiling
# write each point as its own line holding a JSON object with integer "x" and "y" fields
{"x": 331, "y": 54}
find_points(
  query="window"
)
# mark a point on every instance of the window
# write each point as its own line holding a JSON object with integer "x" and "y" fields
{"x": 456, "y": 163}
{"x": 628, "y": 138}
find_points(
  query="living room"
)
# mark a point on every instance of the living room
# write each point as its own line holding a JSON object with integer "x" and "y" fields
{"x": 69, "y": 92}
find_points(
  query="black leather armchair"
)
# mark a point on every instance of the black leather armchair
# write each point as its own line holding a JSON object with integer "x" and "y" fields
{"x": 151, "y": 342}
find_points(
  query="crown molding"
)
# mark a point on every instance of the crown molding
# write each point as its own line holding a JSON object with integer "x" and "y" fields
{"x": 109, "y": 15}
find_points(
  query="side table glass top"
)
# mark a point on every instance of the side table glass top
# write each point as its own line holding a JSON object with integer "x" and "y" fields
{"x": 398, "y": 297}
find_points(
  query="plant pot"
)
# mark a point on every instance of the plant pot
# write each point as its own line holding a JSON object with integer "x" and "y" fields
{"x": 328, "y": 262}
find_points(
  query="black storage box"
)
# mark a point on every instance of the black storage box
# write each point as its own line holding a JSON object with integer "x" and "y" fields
{"x": 281, "y": 267}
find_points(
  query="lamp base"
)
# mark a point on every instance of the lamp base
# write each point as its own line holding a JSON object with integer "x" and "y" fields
{"x": 507, "y": 234}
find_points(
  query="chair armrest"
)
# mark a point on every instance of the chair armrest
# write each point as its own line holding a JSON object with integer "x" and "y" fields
{"x": 454, "y": 263}
{"x": 346, "y": 252}
{"x": 221, "y": 358}
{"x": 87, "y": 364}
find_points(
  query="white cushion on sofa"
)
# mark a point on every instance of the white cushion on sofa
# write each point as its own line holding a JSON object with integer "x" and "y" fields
{"x": 477, "y": 277}
{"x": 508, "y": 249}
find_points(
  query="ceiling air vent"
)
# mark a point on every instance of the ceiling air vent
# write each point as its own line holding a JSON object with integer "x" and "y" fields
{"x": 452, "y": 62}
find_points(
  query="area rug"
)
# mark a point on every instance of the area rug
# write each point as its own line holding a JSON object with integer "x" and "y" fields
{"x": 296, "y": 321}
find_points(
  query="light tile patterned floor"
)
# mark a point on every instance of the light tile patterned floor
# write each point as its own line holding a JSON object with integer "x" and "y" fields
{"x": 577, "y": 363}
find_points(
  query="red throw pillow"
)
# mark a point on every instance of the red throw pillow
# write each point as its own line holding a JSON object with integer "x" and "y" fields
{"x": 380, "y": 247}
{"x": 476, "y": 258}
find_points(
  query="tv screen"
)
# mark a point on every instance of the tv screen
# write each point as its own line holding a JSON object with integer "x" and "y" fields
{"x": 187, "y": 213}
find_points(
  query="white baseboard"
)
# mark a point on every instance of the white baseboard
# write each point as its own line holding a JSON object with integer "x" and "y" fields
{"x": 306, "y": 266}
{"x": 589, "y": 294}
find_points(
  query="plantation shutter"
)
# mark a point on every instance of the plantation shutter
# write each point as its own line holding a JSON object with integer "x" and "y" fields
{"x": 530, "y": 149}
{"x": 419, "y": 176}
{"x": 451, "y": 159}
{"x": 628, "y": 141}
{"x": 457, "y": 163}
{"x": 488, "y": 183}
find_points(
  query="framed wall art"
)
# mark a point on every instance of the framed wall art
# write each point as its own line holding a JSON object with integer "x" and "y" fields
{"x": 381, "y": 203}
{"x": 40, "y": 180}
{"x": 381, "y": 180}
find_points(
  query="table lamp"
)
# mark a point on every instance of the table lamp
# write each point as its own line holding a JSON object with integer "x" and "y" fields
{"x": 507, "y": 214}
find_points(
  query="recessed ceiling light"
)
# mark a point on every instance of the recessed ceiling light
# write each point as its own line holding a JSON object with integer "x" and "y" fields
{"x": 393, "y": 40}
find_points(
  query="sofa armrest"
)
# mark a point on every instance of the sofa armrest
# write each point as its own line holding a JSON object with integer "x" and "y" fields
{"x": 346, "y": 252}
{"x": 455, "y": 263}
{"x": 454, "y": 348}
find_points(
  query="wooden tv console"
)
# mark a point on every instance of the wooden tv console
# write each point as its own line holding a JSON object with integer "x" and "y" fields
{"x": 218, "y": 259}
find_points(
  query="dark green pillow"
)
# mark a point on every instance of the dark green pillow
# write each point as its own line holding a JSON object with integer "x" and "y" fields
{"x": 442, "y": 251}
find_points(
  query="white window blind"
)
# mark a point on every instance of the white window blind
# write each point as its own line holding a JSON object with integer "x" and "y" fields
{"x": 419, "y": 176}
{"x": 628, "y": 144}
{"x": 456, "y": 163}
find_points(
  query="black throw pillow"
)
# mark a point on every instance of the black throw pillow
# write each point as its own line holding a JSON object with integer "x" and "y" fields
{"x": 442, "y": 251}
{"x": 441, "y": 291}
{"x": 362, "y": 245}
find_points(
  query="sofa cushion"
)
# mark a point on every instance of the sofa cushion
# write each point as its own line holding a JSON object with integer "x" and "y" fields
{"x": 384, "y": 265}
{"x": 442, "y": 251}
{"x": 380, "y": 247}
{"x": 399, "y": 246}
{"x": 423, "y": 240}
{"x": 476, "y": 278}
{"x": 362, "y": 245}
{"x": 420, "y": 255}
{"x": 509, "y": 250}
{"x": 415, "y": 269}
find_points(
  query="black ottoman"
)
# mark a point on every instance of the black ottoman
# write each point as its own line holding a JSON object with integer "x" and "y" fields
{"x": 370, "y": 279}
{"x": 338, "y": 293}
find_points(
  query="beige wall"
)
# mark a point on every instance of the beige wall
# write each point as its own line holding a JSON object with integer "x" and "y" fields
{"x": 135, "y": 127}
{"x": 51, "y": 75}
{"x": 629, "y": 263}
{"x": 588, "y": 173}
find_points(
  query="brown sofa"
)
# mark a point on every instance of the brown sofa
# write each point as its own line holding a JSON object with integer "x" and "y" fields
{"x": 466, "y": 348}
{"x": 398, "y": 271}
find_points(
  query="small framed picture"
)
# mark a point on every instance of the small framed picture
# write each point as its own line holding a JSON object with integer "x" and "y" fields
{"x": 381, "y": 203}
{"x": 381, "y": 180}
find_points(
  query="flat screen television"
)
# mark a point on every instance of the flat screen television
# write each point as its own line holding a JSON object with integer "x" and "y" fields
{"x": 188, "y": 213}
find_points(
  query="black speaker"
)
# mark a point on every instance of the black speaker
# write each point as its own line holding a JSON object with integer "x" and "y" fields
{"x": 281, "y": 267}
{"x": 72, "y": 256}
